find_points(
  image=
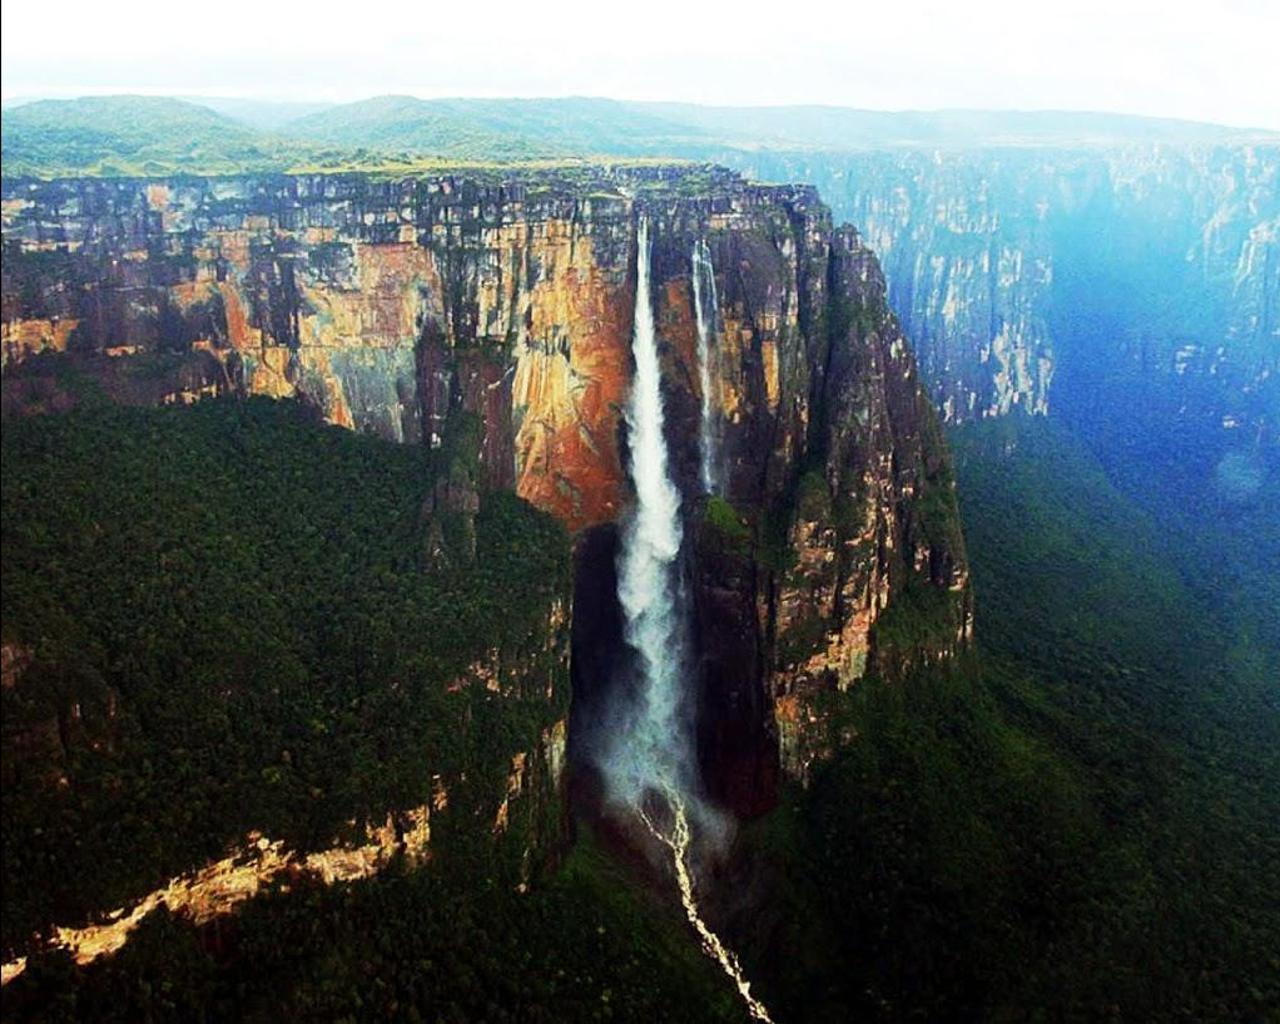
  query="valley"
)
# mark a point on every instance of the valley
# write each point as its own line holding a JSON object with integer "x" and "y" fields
{"x": 613, "y": 587}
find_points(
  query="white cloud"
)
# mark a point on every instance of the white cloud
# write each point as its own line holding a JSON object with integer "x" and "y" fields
{"x": 1165, "y": 58}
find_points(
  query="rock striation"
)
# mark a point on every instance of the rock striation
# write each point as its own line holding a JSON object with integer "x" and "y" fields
{"x": 1075, "y": 281}
{"x": 487, "y": 317}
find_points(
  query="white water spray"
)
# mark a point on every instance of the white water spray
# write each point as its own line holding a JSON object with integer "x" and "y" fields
{"x": 706, "y": 308}
{"x": 651, "y": 756}
{"x": 654, "y": 753}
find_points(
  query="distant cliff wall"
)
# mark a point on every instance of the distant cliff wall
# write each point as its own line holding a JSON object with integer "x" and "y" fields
{"x": 1056, "y": 281}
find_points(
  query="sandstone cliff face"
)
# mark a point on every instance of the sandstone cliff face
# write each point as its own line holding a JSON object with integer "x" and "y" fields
{"x": 494, "y": 315}
{"x": 389, "y": 305}
{"x": 1029, "y": 278}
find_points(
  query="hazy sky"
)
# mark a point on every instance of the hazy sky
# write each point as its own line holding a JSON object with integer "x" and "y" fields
{"x": 1211, "y": 60}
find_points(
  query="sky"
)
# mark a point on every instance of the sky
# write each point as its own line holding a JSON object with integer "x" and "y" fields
{"x": 1211, "y": 60}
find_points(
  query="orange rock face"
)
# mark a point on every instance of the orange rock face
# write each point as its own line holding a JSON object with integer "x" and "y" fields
{"x": 21, "y": 339}
{"x": 388, "y": 313}
{"x": 379, "y": 307}
{"x": 570, "y": 380}
{"x": 495, "y": 313}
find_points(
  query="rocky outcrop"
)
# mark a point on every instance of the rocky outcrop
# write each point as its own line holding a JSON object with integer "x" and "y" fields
{"x": 1075, "y": 282}
{"x": 217, "y": 889}
{"x": 513, "y": 775}
{"x": 389, "y": 305}
{"x": 489, "y": 319}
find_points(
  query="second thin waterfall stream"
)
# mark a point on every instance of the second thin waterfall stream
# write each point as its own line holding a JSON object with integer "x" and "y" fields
{"x": 706, "y": 310}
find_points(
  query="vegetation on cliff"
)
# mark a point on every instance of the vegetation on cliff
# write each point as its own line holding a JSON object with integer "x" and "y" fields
{"x": 231, "y": 598}
{"x": 425, "y": 945}
{"x": 224, "y": 625}
{"x": 1078, "y": 819}
{"x": 1082, "y": 819}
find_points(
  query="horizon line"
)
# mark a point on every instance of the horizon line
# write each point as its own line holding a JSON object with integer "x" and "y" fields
{"x": 13, "y": 99}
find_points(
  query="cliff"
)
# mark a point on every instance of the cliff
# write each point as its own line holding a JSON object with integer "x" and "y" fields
{"x": 488, "y": 318}
{"x": 1087, "y": 282}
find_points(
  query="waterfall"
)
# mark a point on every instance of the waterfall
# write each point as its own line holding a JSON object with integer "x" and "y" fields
{"x": 706, "y": 310}
{"x": 656, "y": 753}
{"x": 651, "y": 757}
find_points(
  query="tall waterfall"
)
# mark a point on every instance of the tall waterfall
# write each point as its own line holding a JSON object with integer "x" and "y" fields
{"x": 652, "y": 757}
{"x": 656, "y": 753}
{"x": 706, "y": 309}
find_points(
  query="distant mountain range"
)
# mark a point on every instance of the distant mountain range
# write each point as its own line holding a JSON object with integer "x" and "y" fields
{"x": 130, "y": 135}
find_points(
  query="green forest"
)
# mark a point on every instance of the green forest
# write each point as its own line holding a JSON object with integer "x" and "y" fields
{"x": 232, "y": 624}
{"x": 239, "y": 604}
{"x": 1079, "y": 823}
{"x": 152, "y": 136}
{"x": 1074, "y": 822}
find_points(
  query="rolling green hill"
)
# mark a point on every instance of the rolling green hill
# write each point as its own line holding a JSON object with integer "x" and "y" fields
{"x": 113, "y": 135}
{"x": 519, "y": 128}
{"x": 139, "y": 135}
{"x": 498, "y": 129}
{"x": 846, "y": 128}
{"x": 265, "y": 115}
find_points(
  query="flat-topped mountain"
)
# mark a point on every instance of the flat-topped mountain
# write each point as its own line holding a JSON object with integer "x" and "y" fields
{"x": 487, "y": 318}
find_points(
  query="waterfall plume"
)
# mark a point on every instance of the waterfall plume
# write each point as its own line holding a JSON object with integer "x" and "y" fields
{"x": 653, "y": 752}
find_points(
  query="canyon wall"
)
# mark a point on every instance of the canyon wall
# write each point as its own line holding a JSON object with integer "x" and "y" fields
{"x": 1086, "y": 282}
{"x": 488, "y": 318}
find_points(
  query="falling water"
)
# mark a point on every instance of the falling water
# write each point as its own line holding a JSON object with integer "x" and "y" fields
{"x": 654, "y": 753}
{"x": 651, "y": 757}
{"x": 706, "y": 309}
